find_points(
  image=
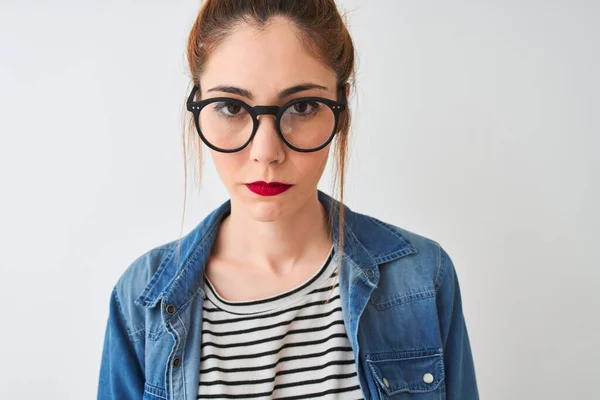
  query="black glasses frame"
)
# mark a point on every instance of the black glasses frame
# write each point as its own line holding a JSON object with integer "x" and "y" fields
{"x": 336, "y": 106}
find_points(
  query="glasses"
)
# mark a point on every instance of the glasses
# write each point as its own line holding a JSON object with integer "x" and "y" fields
{"x": 305, "y": 124}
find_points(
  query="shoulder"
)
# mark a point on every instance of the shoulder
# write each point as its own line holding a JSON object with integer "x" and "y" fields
{"x": 138, "y": 277}
{"x": 422, "y": 269}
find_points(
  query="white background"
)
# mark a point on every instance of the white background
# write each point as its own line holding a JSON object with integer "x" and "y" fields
{"x": 476, "y": 125}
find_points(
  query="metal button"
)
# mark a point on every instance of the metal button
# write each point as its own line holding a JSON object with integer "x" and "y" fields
{"x": 176, "y": 362}
{"x": 428, "y": 378}
{"x": 386, "y": 383}
{"x": 170, "y": 309}
{"x": 370, "y": 273}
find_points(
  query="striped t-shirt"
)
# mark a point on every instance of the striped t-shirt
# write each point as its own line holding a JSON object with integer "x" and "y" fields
{"x": 289, "y": 346}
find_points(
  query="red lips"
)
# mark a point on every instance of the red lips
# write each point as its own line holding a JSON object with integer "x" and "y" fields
{"x": 263, "y": 188}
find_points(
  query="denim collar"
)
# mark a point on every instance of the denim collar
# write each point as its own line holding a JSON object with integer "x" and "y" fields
{"x": 180, "y": 276}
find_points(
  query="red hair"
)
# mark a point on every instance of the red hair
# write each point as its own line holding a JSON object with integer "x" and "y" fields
{"x": 323, "y": 33}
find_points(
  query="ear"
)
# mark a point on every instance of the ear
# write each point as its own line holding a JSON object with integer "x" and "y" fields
{"x": 347, "y": 90}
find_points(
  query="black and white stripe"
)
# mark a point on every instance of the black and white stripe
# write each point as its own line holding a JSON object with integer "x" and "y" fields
{"x": 289, "y": 346}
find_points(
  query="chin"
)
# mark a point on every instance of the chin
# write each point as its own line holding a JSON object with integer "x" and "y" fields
{"x": 264, "y": 208}
{"x": 265, "y": 211}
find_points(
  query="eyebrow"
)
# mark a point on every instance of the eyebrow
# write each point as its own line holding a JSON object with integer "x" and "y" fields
{"x": 284, "y": 93}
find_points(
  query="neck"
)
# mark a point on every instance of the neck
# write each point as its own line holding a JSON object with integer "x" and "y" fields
{"x": 275, "y": 245}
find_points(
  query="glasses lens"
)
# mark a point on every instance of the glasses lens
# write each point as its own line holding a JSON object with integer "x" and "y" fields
{"x": 225, "y": 124}
{"x": 307, "y": 124}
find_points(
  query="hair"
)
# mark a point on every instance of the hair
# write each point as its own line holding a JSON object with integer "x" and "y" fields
{"x": 323, "y": 34}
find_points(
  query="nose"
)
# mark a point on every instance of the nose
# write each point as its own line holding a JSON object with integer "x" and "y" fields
{"x": 266, "y": 146}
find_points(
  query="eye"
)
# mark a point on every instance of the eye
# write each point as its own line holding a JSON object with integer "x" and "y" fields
{"x": 228, "y": 109}
{"x": 304, "y": 108}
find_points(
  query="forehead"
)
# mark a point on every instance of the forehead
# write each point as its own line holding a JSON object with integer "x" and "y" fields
{"x": 265, "y": 60}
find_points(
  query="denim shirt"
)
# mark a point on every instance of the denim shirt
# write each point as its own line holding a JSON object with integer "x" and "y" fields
{"x": 401, "y": 306}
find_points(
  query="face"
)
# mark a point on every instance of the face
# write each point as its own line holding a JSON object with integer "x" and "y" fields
{"x": 265, "y": 63}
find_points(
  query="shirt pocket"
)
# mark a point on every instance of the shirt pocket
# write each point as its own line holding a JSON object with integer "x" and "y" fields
{"x": 410, "y": 375}
{"x": 152, "y": 392}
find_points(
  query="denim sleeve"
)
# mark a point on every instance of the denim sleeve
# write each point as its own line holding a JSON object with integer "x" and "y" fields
{"x": 460, "y": 377}
{"x": 121, "y": 371}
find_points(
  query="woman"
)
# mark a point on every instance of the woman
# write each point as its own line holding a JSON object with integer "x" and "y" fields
{"x": 256, "y": 301}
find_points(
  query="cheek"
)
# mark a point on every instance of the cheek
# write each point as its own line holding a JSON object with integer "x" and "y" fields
{"x": 226, "y": 164}
{"x": 313, "y": 164}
